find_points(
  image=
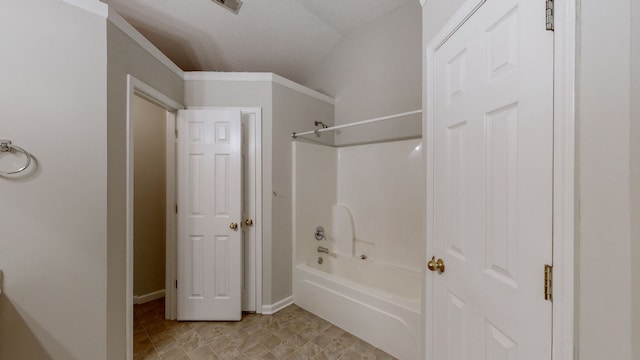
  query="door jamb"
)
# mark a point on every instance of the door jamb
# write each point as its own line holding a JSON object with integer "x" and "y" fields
{"x": 171, "y": 251}
{"x": 137, "y": 87}
{"x": 564, "y": 181}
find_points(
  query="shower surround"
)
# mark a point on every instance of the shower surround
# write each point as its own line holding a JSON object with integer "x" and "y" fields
{"x": 369, "y": 200}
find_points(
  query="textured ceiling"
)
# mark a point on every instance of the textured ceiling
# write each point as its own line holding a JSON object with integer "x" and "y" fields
{"x": 287, "y": 37}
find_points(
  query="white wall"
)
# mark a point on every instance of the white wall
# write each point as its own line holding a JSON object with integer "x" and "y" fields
{"x": 149, "y": 193}
{"x": 53, "y": 241}
{"x": 292, "y": 111}
{"x": 604, "y": 124}
{"x": 125, "y": 56}
{"x": 376, "y": 71}
{"x": 315, "y": 192}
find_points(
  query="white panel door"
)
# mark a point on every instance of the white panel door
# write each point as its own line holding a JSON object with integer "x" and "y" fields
{"x": 209, "y": 215}
{"x": 492, "y": 185}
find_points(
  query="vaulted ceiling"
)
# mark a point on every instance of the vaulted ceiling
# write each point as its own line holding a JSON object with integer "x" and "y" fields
{"x": 287, "y": 37}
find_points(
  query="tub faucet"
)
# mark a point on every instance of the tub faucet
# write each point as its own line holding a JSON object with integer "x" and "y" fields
{"x": 322, "y": 249}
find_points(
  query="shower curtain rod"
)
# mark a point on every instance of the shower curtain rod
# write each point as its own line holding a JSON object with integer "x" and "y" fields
{"x": 331, "y": 128}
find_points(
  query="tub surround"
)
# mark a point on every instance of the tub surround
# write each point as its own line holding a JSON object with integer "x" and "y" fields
{"x": 368, "y": 199}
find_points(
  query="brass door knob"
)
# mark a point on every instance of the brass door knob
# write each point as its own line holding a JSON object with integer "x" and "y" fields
{"x": 248, "y": 222}
{"x": 233, "y": 226}
{"x": 436, "y": 265}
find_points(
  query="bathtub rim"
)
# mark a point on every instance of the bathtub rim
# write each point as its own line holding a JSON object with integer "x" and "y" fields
{"x": 407, "y": 319}
{"x": 411, "y": 305}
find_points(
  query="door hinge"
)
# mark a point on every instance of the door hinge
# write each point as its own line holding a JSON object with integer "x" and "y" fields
{"x": 176, "y": 208}
{"x": 549, "y": 12}
{"x": 176, "y": 284}
{"x": 176, "y": 131}
{"x": 548, "y": 282}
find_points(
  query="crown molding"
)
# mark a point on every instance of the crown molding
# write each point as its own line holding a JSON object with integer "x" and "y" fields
{"x": 251, "y": 76}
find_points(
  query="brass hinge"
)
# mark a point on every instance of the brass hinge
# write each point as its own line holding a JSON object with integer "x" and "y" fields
{"x": 549, "y": 15}
{"x": 548, "y": 282}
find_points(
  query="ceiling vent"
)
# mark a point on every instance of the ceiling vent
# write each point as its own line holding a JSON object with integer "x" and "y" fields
{"x": 231, "y": 5}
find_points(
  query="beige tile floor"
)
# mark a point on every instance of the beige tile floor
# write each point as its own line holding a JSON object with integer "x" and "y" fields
{"x": 291, "y": 334}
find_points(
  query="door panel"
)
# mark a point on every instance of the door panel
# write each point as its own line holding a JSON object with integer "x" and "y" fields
{"x": 492, "y": 181}
{"x": 209, "y": 191}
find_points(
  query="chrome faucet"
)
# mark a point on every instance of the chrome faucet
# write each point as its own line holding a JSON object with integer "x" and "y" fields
{"x": 322, "y": 249}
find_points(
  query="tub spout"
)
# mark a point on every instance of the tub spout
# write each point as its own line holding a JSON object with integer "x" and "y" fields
{"x": 322, "y": 249}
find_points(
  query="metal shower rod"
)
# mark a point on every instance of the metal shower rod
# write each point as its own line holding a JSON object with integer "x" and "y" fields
{"x": 331, "y": 128}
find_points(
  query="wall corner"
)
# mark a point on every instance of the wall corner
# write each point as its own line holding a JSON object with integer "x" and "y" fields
{"x": 93, "y": 6}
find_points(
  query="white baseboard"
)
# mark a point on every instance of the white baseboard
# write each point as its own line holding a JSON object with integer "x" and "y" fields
{"x": 275, "y": 307}
{"x": 141, "y": 299}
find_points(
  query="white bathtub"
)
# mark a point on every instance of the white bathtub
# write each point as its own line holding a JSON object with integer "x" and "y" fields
{"x": 378, "y": 303}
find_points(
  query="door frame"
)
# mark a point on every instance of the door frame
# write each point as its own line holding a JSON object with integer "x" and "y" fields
{"x": 256, "y": 252}
{"x": 139, "y": 88}
{"x": 564, "y": 186}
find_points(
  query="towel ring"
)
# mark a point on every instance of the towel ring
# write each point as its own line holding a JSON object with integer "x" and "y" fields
{"x": 6, "y": 146}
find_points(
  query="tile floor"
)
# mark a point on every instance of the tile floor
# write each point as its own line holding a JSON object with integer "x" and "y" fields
{"x": 291, "y": 334}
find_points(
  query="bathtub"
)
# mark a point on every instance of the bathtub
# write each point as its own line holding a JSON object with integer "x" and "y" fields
{"x": 376, "y": 302}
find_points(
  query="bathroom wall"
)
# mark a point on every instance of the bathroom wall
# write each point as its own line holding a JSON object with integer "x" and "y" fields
{"x": 53, "y": 221}
{"x": 124, "y": 56}
{"x": 315, "y": 193}
{"x": 149, "y": 191}
{"x": 292, "y": 111}
{"x": 376, "y": 71}
{"x": 605, "y": 192}
{"x": 382, "y": 185}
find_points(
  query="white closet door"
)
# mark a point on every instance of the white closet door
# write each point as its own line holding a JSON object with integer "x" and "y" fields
{"x": 492, "y": 185}
{"x": 209, "y": 215}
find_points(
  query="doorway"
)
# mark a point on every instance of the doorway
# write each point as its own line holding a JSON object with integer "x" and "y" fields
{"x": 150, "y": 199}
{"x": 138, "y": 91}
{"x": 251, "y": 221}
